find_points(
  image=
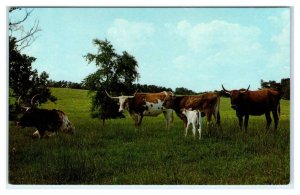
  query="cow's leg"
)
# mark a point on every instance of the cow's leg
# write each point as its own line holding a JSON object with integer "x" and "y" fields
{"x": 208, "y": 123}
{"x": 42, "y": 133}
{"x": 186, "y": 129}
{"x": 218, "y": 121}
{"x": 200, "y": 123}
{"x": 168, "y": 117}
{"x": 185, "y": 121}
{"x": 194, "y": 129}
{"x": 135, "y": 117}
{"x": 276, "y": 118}
{"x": 246, "y": 122}
{"x": 241, "y": 122}
{"x": 140, "y": 118}
{"x": 199, "y": 130}
{"x": 269, "y": 120}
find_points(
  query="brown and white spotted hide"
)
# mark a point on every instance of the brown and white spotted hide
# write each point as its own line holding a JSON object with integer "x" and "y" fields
{"x": 146, "y": 104}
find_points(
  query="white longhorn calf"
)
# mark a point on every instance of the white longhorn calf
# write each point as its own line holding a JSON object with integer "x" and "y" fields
{"x": 193, "y": 117}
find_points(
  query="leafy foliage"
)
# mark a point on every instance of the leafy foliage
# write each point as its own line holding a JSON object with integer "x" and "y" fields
{"x": 150, "y": 88}
{"x": 65, "y": 84}
{"x": 184, "y": 91}
{"x": 283, "y": 86}
{"x": 116, "y": 75}
{"x": 23, "y": 80}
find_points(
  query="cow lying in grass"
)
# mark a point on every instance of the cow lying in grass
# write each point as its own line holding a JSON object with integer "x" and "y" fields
{"x": 45, "y": 120}
{"x": 194, "y": 118}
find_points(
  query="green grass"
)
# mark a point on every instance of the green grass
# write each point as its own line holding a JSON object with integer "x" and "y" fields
{"x": 117, "y": 153}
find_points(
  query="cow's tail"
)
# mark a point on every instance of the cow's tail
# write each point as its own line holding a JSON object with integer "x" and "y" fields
{"x": 199, "y": 119}
{"x": 217, "y": 111}
{"x": 278, "y": 108}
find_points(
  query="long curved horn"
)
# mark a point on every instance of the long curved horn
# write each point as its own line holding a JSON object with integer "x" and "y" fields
{"x": 31, "y": 102}
{"x": 135, "y": 92}
{"x": 226, "y": 91}
{"x": 24, "y": 107}
{"x": 246, "y": 90}
{"x": 110, "y": 96}
{"x": 18, "y": 102}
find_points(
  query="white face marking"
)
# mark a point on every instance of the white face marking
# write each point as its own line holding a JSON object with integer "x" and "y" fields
{"x": 122, "y": 101}
{"x": 154, "y": 109}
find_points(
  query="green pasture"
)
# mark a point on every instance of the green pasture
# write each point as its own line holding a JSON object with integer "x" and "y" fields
{"x": 117, "y": 153}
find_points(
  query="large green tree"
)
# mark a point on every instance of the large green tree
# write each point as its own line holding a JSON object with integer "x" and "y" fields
{"x": 24, "y": 81}
{"x": 116, "y": 74}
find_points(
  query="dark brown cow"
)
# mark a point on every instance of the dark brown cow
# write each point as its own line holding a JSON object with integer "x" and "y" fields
{"x": 208, "y": 104}
{"x": 145, "y": 104}
{"x": 45, "y": 120}
{"x": 246, "y": 102}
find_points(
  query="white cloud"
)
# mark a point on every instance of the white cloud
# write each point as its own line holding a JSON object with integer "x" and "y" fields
{"x": 183, "y": 62}
{"x": 220, "y": 43}
{"x": 129, "y": 35}
{"x": 219, "y": 36}
{"x": 281, "y": 55}
{"x": 220, "y": 49}
{"x": 183, "y": 26}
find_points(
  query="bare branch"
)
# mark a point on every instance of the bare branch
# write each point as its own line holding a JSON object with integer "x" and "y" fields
{"x": 25, "y": 37}
{"x": 30, "y": 37}
{"x": 27, "y": 14}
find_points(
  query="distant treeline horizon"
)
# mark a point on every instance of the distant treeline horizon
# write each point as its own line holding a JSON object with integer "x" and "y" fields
{"x": 283, "y": 87}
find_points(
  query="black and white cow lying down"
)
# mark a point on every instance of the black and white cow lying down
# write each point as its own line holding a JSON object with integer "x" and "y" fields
{"x": 45, "y": 120}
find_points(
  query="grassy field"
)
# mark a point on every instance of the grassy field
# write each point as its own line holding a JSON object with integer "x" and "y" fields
{"x": 118, "y": 154}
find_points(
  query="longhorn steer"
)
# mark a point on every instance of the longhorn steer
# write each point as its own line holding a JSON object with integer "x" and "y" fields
{"x": 255, "y": 103}
{"x": 208, "y": 104}
{"x": 45, "y": 120}
{"x": 145, "y": 104}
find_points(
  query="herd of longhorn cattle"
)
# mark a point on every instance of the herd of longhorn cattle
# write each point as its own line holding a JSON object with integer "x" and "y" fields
{"x": 189, "y": 108}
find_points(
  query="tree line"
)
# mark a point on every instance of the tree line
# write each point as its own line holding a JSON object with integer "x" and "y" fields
{"x": 283, "y": 86}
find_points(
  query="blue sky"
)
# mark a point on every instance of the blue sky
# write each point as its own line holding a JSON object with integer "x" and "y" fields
{"x": 196, "y": 48}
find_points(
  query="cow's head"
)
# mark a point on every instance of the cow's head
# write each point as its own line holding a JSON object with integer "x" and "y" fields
{"x": 236, "y": 96}
{"x": 123, "y": 101}
{"x": 27, "y": 120}
{"x": 28, "y": 117}
{"x": 169, "y": 99}
{"x": 185, "y": 111}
